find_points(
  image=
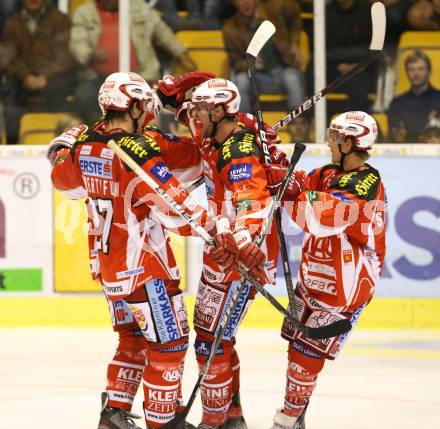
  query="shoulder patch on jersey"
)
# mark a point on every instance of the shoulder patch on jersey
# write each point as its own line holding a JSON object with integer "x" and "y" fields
{"x": 140, "y": 148}
{"x": 169, "y": 136}
{"x": 240, "y": 145}
{"x": 362, "y": 184}
{"x": 85, "y": 139}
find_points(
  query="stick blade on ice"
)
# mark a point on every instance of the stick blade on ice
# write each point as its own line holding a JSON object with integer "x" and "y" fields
{"x": 261, "y": 36}
{"x": 379, "y": 24}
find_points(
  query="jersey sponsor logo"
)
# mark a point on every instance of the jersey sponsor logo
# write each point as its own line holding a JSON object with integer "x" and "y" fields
{"x": 178, "y": 348}
{"x": 203, "y": 348}
{"x": 239, "y": 309}
{"x": 113, "y": 289}
{"x": 129, "y": 374}
{"x": 246, "y": 144}
{"x": 107, "y": 153}
{"x": 166, "y": 324}
{"x": 208, "y": 304}
{"x": 129, "y": 273}
{"x": 172, "y": 375}
{"x": 364, "y": 185}
{"x": 94, "y": 166}
{"x": 321, "y": 268}
{"x": 321, "y": 284}
{"x": 85, "y": 150}
{"x": 347, "y": 255}
{"x": 342, "y": 197}
{"x": 240, "y": 172}
{"x": 161, "y": 172}
{"x": 312, "y": 196}
{"x": 210, "y": 189}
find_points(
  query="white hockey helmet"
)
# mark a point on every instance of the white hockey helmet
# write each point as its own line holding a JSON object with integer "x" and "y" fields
{"x": 359, "y": 125}
{"x": 119, "y": 90}
{"x": 216, "y": 92}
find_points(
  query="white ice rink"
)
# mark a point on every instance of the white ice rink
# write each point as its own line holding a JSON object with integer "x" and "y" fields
{"x": 52, "y": 379}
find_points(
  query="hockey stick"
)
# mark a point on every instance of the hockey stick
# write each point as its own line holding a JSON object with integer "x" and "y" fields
{"x": 378, "y": 22}
{"x": 251, "y": 57}
{"x": 317, "y": 333}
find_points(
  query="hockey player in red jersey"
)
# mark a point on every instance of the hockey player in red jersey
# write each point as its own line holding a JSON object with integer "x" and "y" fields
{"x": 236, "y": 187}
{"x": 341, "y": 208}
{"x": 130, "y": 250}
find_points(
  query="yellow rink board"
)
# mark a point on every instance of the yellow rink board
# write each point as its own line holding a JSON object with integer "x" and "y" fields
{"x": 91, "y": 311}
{"x": 71, "y": 260}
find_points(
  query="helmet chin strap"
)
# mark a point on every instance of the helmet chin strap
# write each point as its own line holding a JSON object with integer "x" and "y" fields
{"x": 214, "y": 124}
{"x": 344, "y": 155}
{"x": 134, "y": 119}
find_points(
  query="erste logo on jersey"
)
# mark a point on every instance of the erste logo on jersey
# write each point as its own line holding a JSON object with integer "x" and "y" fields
{"x": 94, "y": 166}
{"x": 161, "y": 172}
{"x": 240, "y": 172}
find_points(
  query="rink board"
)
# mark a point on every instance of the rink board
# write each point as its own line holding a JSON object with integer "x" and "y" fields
{"x": 87, "y": 311}
{"x": 43, "y": 245}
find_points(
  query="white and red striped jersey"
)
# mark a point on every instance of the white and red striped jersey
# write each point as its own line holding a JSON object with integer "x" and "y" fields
{"x": 128, "y": 241}
{"x": 343, "y": 215}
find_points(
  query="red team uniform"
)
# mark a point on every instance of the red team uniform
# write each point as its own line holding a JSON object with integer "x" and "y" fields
{"x": 343, "y": 216}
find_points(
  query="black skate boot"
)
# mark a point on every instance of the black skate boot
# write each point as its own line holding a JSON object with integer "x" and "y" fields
{"x": 236, "y": 422}
{"x": 115, "y": 418}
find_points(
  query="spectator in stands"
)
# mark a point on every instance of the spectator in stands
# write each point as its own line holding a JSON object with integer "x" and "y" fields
{"x": 409, "y": 113}
{"x": 348, "y": 30}
{"x": 278, "y": 65}
{"x": 94, "y": 45}
{"x": 425, "y": 15}
{"x": 431, "y": 134}
{"x": 200, "y": 15}
{"x": 38, "y": 77}
{"x": 299, "y": 129}
{"x": 6, "y": 54}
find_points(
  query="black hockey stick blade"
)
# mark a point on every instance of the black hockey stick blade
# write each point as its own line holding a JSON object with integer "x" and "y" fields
{"x": 378, "y": 20}
{"x": 328, "y": 331}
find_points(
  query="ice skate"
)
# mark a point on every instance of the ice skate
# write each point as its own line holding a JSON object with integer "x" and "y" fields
{"x": 205, "y": 426}
{"x": 116, "y": 418}
{"x": 236, "y": 423}
{"x": 283, "y": 421}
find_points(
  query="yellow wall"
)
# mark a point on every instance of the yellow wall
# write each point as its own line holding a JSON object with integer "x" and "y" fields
{"x": 91, "y": 311}
{"x": 71, "y": 264}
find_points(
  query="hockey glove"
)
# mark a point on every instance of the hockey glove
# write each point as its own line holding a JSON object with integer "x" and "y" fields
{"x": 296, "y": 184}
{"x": 65, "y": 140}
{"x": 226, "y": 249}
{"x": 251, "y": 256}
{"x": 171, "y": 90}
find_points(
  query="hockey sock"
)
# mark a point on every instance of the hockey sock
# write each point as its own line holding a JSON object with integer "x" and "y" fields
{"x": 124, "y": 372}
{"x": 235, "y": 408}
{"x": 216, "y": 389}
{"x": 302, "y": 373}
{"x": 162, "y": 381}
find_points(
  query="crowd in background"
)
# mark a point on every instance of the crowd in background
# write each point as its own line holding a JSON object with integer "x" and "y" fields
{"x": 53, "y": 62}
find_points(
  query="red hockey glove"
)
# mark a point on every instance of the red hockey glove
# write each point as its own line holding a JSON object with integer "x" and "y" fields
{"x": 226, "y": 250}
{"x": 278, "y": 156}
{"x": 296, "y": 184}
{"x": 171, "y": 90}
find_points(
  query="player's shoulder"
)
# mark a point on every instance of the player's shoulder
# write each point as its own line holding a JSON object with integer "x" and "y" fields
{"x": 362, "y": 184}
{"x": 241, "y": 144}
{"x": 324, "y": 170}
{"x": 155, "y": 132}
{"x": 141, "y": 148}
